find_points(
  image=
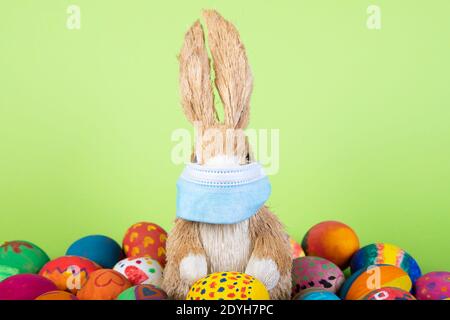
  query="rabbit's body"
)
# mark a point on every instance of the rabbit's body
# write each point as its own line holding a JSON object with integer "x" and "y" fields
{"x": 227, "y": 247}
{"x": 256, "y": 244}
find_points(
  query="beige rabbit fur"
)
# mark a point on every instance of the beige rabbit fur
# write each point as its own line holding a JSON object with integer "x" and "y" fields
{"x": 257, "y": 246}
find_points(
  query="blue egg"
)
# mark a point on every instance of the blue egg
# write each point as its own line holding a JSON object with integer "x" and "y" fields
{"x": 316, "y": 295}
{"x": 101, "y": 249}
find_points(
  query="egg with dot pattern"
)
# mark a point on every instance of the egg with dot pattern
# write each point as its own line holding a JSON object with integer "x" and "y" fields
{"x": 143, "y": 270}
{"x": 228, "y": 286}
{"x": 315, "y": 272}
{"x": 433, "y": 286}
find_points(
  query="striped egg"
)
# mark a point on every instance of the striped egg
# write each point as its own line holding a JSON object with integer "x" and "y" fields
{"x": 385, "y": 253}
{"x": 362, "y": 282}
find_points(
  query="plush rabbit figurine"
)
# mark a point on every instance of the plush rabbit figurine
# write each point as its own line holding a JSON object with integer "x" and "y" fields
{"x": 222, "y": 223}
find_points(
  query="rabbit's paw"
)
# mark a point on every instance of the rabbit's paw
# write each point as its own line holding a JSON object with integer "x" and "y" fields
{"x": 265, "y": 270}
{"x": 193, "y": 267}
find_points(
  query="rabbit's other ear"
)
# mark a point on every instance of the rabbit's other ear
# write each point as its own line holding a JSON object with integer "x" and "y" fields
{"x": 233, "y": 77}
{"x": 197, "y": 96}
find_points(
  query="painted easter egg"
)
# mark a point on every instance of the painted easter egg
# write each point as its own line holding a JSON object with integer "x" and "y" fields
{"x": 103, "y": 284}
{"x": 143, "y": 292}
{"x": 69, "y": 272}
{"x": 57, "y": 295}
{"x": 315, "y": 294}
{"x": 331, "y": 240}
{"x": 389, "y": 293}
{"x": 296, "y": 248}
{"x": 228, "y": 286}
{"x": 362, "y": 282}
{"x": 433, "y": 286}
{"x": 25, "y": 286}
{"x": 384, "y": 253}
{"x": 143, "y": 270}
{"x": 101, "y": 249}
{"x": 315, "y": 272}
{"x": 20, "y": 257}
{"x": 146, "y": 239}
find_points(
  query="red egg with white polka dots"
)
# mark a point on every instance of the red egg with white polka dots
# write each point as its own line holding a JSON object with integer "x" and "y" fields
{"x": 142, "y": 270}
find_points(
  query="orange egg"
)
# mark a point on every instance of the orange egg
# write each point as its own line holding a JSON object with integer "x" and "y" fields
{"x": 57, "y": 295}
{"x": 145, "y": 239}
{"x": 69, "y": 273}
{"x": 361, "y": 283}
{"x": 332, "y": 240}
{"x": 103, "y": 284}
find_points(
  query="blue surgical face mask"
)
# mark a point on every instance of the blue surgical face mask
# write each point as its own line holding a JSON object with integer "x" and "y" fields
{"x": 221, "y": 195}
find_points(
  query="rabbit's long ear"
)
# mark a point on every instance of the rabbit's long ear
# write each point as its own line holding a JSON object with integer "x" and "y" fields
{"x": 196, "y": 90}
{"x": 233, "y": 77}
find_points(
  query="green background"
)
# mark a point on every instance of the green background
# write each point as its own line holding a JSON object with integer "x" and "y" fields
{"x": 86, "y": 116}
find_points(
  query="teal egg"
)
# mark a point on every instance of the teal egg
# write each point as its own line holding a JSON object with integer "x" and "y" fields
{"x": 313, "y": 294}
{"x": 101, "y": 249}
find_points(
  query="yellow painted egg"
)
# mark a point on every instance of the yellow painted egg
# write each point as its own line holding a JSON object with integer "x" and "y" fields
{"x": 228, "y": 286}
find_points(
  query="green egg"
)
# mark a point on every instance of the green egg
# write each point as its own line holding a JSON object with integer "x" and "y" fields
{"x": 20, "y": 257}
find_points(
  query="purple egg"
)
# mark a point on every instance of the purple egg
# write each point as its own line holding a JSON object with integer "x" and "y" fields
{"x": 433, "y": 286}
{"x": 25, "y": 287}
